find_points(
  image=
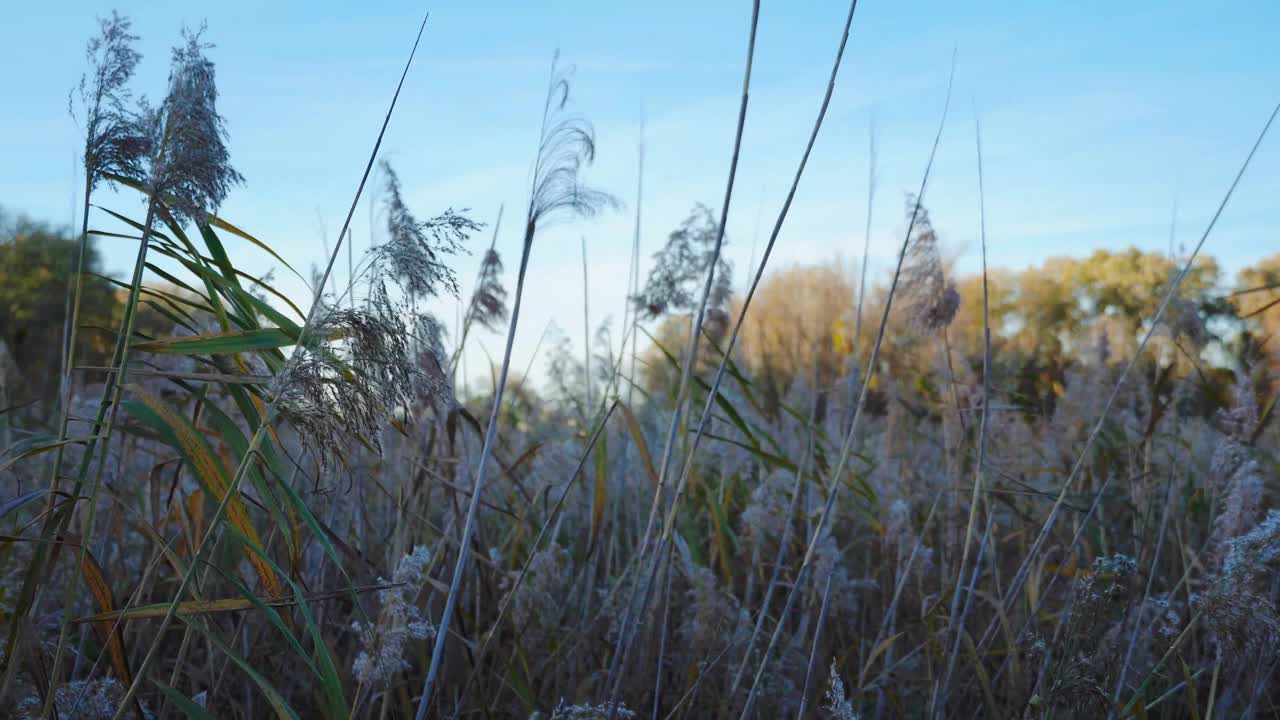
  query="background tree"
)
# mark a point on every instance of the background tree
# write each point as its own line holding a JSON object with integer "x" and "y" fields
{"x": 799, "y": 326}
{"x": 1257, "y": 299}
{"x": 37, "y": 263}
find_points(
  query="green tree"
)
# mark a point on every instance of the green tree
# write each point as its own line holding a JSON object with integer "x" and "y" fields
{"x": 36, "y": 266}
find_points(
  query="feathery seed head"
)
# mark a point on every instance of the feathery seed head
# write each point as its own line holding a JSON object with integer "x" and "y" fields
{"x": 356, "y": 370}
{"x": 413, "y": 253}
{"x": 489, "y": 301}
{"x": 836, "y": 702}
{"x": 929, "y": 298}
{"x": 681, "y": 266}
{"x": 114, "y": 140}
{"x": 190, "y": 160}
{"x": 603, "y": 711}
{"x": 399, "y": 621}
{"x": 566, "y": 145}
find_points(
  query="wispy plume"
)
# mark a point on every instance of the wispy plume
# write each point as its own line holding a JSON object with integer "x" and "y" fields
{"x": 114, "y": 141}
{"x": 566, "y": 145}
{"x": 836, "y": 702}
{"x": 681, "y": 266}
{"x": 603, "y": 711}
{"x": 489, "y": 301}
{"x": 415, "y": 250}
{"x": 1240, "y": 606}
{"x": 1233, "y": 467}
{"x": 357, "y": 369}
{"x": 190, "y": 165}
{"x": 384, "y": 642}
{"x": 929, "y": 298}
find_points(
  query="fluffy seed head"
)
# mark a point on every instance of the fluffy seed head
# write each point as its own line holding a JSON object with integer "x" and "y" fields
{"x": 680, "y": 269}
{"x": 191, "y": 163}
{"x": 114, "y": 138}
{"x": 566, "y": 145}
{"x": 930, "y": 299}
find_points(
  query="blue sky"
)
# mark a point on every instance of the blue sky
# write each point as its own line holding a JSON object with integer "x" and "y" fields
{"x": 1096, "y": 117}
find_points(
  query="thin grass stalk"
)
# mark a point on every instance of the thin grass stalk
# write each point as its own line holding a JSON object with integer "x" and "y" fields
{"x": 1024, "y": 568}
{"x": 505, "y": 604}
{"x": 669, "y": 524}
{"x": 1146, "y": 593}
{"x": 689, "y": 361}
{"x": 634, "y": 286}
{"x": 1159, "y": 666}
{"x": 972, "y": 588}
{"x": 862, "y": 269}
{"x": 137, "y": 594}
{"x": 697, "y": 683}
{"x": 940, "y": 700}
{"x": 114, "y": 388}
{"x": 271, "y": 406}
{"x": 1213, "y": 689}
{"x": 813, "y": 649}
{"x": 773, "y": 642}
{"x": 846, "y": 448}
{"x": 1046, "y": 592}
{"x": 71, "y": 331}
{"x": 905, "y": 573}
{"x": 780, "y": 556}
{"x": 490, "y": 437}
{"x": 586, "y": 325}
{"x": 727, "y": 353}
{"x": 662, "y": 647}
{"x": 59, "y": 518}
{"x": 622, "y": 646}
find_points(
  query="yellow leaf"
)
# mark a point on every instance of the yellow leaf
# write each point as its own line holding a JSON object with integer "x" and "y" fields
{"x": 213, "y": 476}
{"x": 105, "y": 600}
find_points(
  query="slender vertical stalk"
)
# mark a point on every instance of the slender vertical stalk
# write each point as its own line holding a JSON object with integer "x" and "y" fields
{"x": 618, "y": 662}
{"x": 940, "y": 699}
{"x": 683, "y": 476}
{"x": 70, "y": 332}
{"x": 783, "y": 544}
{"x": 847, "y": 445}
{"x": 862, "y": 269}
{"x": 635, "y": 268}
{"x": 813, "y": 651}
{"x": 662, "y": 648}
{"x": 555, "y": 187}
{"x": 586, "y": 326}
{"x": 112, "y": 394}
{"x": 468, "y": 528}
{"x": 1146, "y": 593}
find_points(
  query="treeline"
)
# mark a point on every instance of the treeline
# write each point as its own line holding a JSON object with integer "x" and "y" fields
{"x": 803, "y": 328}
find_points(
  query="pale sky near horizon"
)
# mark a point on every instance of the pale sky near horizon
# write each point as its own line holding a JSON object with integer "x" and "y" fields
{"x": 1097, "y": 119}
